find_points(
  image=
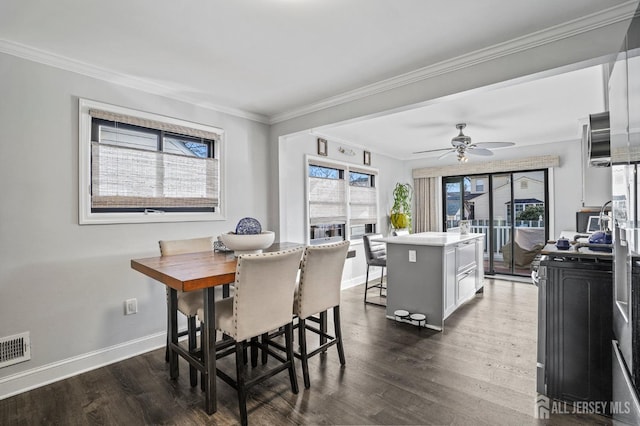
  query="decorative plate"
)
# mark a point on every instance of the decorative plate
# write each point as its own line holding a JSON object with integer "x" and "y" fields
{"x": 248, "y": 226}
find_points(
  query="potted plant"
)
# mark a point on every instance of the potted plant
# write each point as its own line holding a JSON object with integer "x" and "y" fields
{"x": 401, "y": 211}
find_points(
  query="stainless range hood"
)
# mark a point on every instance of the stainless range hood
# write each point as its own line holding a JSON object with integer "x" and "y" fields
{"x": 598, "y": 139}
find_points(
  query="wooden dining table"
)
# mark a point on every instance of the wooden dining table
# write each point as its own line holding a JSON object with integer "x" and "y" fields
{"x": 203, "y": 271}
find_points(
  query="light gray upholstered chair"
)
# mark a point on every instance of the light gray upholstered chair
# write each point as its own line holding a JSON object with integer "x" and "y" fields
{"x": 317, "y": 292}
{"x": 375, "y": 254}
{"x": 188, "y": 302}
{"x": 262, "y": 301}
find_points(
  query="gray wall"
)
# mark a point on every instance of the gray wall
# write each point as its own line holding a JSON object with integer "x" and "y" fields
{"x": 66, "y": 283}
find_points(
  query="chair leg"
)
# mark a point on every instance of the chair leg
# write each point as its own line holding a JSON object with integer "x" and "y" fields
{"x": 366, "y": 285}
{"x": 338, "y": 333}
{"x": 192, "y": 344}
{"x": 381, "y": 277}
{"x": 265, "y": 345}
{"x": 288, "y": 337}
{"x": 240, "y": 380}
{"x": 323, "y": 329}
{"x": 302, "y": 341}
{"x": 254, "y": 352}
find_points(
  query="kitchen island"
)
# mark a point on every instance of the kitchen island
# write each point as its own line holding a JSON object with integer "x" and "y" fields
{"x": 433, "y": 273}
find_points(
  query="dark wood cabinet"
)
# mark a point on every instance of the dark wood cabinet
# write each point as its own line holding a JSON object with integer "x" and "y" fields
{"x": 578, "y": 330}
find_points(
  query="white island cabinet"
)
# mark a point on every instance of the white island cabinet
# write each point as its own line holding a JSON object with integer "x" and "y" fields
{"x": 433, "y": 273}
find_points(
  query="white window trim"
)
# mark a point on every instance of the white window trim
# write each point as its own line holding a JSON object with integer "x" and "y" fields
{"x": 347, "y": 167}
{"x": 86, "y": 217}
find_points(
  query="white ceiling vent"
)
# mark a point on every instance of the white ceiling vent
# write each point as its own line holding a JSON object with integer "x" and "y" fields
{"x": 15, "y": 349}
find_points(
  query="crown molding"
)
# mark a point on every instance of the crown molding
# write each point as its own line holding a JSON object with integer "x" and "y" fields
{"x": 167, "y": 90}
{"x": 568, "y": 29}
{"x": 575, "y": 27}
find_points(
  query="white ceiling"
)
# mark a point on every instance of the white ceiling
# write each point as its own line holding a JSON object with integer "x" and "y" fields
{"x": 542, "y": 110}
{"x": 268, "y": 59}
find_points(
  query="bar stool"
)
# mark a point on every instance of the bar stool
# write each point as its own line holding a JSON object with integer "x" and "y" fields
{"x": 188, "y": 302}
{"x": 376, "y": 255}
{"x": 262, "y": 301}
{"x": 317, "y": 292}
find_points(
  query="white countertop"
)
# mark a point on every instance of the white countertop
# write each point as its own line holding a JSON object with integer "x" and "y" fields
{"x": 431, "y": 238}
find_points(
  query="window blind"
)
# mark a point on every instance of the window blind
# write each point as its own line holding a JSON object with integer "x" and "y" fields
{"x": 124, "y": 177}
{"x": 362, "y": 204}
{"x": 154, "y": 124}
{"x": 327, "y": 201}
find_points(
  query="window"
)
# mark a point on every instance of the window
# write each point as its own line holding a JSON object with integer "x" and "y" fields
{"x": 479, "y": 185}
{"x": 140, "y": 167}
{"x": 340, "y": 198}
{"x": 363, "y": 204}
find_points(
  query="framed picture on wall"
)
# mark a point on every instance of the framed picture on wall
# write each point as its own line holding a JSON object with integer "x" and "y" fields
{"x": 367, "y": 158}
{"x": 322, "y": 146}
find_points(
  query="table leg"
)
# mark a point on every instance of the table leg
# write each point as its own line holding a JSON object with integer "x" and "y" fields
{"x": 173, "y": 332}
{"x": 209, "y": 351}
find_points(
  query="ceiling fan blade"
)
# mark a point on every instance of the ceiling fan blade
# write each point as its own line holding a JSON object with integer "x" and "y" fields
{"x": 432, "y": 150}
{"x": 494, "y": 144}
{"x": 447, "y": 153}
{"x": 478, "y": 151}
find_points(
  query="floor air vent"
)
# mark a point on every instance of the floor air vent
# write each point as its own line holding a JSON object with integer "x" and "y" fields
{"x": 15, "y": 349}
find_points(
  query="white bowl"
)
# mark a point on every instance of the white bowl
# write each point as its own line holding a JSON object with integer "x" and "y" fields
{"x": 251, "y": 243}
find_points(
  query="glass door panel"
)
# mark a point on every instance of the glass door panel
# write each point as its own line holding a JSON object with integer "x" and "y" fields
{"x": 529, "y": 198}
{"x": 453, "y": 202}
{"x": 478, "y": 213}
{"x": 502, "y": 215}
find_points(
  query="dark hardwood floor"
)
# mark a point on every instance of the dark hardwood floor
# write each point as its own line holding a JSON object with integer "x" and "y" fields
{"x": 479, "y": 371}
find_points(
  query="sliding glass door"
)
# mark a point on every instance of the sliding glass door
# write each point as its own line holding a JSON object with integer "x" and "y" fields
{"x": 509, "y": 208}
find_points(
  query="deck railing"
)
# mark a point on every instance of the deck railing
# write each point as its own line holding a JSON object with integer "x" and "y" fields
{"x": 501, "y": 234}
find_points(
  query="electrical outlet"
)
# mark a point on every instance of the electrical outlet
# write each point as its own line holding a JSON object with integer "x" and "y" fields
{"x": 130, "y": 306}
{"x": 412, "y": 255}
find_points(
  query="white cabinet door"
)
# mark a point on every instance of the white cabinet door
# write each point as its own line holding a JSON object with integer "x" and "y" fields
{"x": 450, "y": 278}
{"x": 466, "y": 256}
{"x": 466, "y": 284}
{"x": 479, "y": 263}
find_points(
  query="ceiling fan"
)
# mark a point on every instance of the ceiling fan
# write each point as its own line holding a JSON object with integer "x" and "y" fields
{"x": 462, "y": 145}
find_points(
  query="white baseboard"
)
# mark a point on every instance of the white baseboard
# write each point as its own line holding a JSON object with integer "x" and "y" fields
{"x": 46, "y": 374}
{"x": 360, "y": 279}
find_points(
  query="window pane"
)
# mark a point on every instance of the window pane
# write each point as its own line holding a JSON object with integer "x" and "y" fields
{"x": 113, "y": 134}
{"x": 323, "y": 172}
{"x": 321, "y": 234}
{"x": 186, "y": 146}
{"x": 360, "y": 179}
